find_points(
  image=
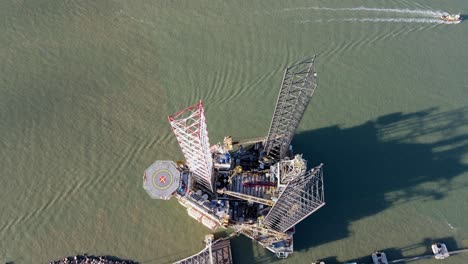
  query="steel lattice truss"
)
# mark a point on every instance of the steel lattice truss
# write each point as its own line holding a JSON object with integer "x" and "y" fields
{"x": 189, "y": 126}
{"x": 301, "y": 197}
{"x": 203, "y": 257}
{"x": 256, "y": 231}
{"x": 217, "y": 252}
{"x": 287, "y": 170}
{"x": 297, "y": 88}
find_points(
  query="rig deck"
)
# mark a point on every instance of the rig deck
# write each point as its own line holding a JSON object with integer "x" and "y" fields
{"x": 257, "y": 186}
{"x": 218, "y": 251}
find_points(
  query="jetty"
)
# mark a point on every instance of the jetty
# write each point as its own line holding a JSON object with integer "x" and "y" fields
{"x": 439, "y": 251}
{"x": 429, "y": 256}
{"x": 215, "y": 252}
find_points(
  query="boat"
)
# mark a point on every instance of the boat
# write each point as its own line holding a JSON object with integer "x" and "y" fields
{"x": 379, "y": 257}
{"x": 451, "y": 18}
{"x": 440, "y": 250}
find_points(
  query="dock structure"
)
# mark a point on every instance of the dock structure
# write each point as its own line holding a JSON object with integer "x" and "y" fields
{"x": 217, "y": 252}
{"x": 439, "y": 251}
{"x": 379, "y": 257}
{"x": 431, "y": 256}
{"x": 258, "y": 187}
{"x": 410, "y": 259}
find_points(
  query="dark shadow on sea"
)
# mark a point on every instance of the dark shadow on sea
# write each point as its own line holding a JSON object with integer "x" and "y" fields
{"x": 398, "y": 253}
{"x": 366, "y": 162}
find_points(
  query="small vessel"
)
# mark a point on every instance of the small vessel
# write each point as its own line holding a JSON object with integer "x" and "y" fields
{"x": 451, "y": 18}
{"x": 440, "y": 250}
{"x": 379, "y": 258}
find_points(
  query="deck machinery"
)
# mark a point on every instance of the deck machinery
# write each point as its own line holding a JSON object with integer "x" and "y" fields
{"x": 257, "y": 187}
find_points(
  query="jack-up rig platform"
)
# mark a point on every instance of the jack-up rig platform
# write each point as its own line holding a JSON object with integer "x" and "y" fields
{"x": 257, "y": 187}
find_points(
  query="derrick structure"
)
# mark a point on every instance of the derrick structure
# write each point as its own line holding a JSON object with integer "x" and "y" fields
{"x": 189, "y": 126}
{"x": 287, "y": 170}
{"x": 301, "y": 197}
{"x": 297, "y": 89}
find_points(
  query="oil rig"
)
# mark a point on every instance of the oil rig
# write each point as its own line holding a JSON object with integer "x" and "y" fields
{"x": 257, "y": 187}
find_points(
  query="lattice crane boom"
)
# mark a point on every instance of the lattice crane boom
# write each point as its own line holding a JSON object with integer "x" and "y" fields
{"x": 297, "y": 89}
{"x": 301, "y": 197}
{"x": 189, "y": 126}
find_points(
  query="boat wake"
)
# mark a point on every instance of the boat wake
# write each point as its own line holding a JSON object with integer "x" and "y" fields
{"x": 421, "y": 12}
{"x": 388, "y": 20}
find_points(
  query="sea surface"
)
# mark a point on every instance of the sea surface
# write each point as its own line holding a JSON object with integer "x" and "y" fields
{"x": 86, "y": 88}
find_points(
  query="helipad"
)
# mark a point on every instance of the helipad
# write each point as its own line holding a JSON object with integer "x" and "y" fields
{"x": 161, "y": 179}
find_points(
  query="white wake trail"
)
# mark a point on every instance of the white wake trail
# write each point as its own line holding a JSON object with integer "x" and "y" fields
{"x": 379, "y": 10}
{"x": 389, "y": 20}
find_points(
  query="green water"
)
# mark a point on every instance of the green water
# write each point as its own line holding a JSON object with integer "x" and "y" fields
{"x": 86, "y": 86}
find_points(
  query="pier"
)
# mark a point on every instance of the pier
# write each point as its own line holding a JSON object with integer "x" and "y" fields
{"x": 439, "y": 250}
{"x": 404, "y": 260}
{"x": 217, "y": 252}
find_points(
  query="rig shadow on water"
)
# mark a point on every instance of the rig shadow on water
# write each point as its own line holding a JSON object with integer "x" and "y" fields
{"x": 364, "y": 163}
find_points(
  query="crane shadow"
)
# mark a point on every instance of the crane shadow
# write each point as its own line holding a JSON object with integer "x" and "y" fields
{"x": 387, "y": 155}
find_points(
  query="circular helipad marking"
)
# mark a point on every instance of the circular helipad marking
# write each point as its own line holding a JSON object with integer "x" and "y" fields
{"x": 162, "y": 179}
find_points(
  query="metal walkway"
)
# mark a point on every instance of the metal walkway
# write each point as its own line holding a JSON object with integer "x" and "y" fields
{"x": 220, "y": 254}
